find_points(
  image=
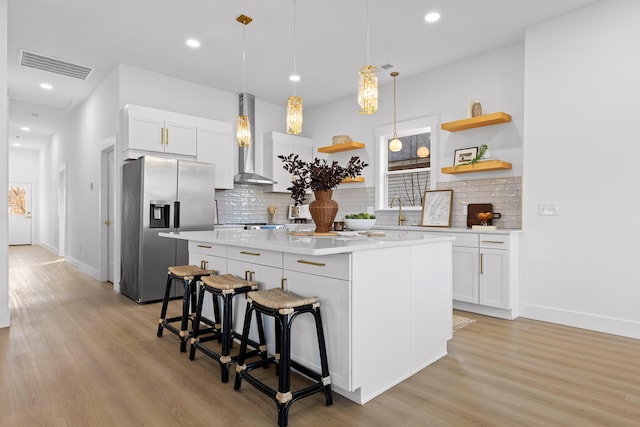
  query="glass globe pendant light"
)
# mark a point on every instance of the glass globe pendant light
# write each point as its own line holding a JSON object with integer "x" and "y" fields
{"x": 395, "y": 144}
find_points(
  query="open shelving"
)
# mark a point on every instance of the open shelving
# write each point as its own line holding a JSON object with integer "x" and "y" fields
{"x": 481, "y": 166}
{"x": 345, "y": 146}
{"x": 475, "y": 122}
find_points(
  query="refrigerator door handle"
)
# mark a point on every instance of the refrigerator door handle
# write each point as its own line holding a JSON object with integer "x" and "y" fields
{"x": 176, "y": 215}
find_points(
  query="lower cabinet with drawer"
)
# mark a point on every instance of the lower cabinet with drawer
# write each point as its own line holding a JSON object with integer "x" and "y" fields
{"x": 326, "y": 277}
{"x": 485, "y": 278}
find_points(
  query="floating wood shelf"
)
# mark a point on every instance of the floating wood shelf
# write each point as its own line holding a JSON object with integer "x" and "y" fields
{"x": 482, "y": 166}
{"x": 476, "y": 122}
{"x": 356, "y": 179}
{"x": 345, "y": 146}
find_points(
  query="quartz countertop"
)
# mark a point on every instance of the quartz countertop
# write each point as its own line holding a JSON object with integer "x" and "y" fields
{"x": 280, "y": 240}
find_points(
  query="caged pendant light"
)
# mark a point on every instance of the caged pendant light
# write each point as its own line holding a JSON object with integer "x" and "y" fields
{"x": 368, "y": 82}
{"x": 395, "y": 144}
{"x": 243, "y": 132}
{"x": 294, "y": 105}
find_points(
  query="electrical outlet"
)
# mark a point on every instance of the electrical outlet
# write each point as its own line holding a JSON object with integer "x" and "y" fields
{"x": 548, "y": 208}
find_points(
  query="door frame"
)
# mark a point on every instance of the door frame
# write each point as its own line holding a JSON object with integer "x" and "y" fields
{"x": 106, "y": 146}
{"x": 62, "y": 208}
{"x": 34, "y": 203}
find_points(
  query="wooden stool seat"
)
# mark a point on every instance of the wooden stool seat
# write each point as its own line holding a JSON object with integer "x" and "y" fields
{"x": 227, "y": 282}
{"x": 279, "y": 299}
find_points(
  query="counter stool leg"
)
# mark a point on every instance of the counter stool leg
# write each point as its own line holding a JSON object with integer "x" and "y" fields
{"x": 284, "y": 395}
{"x": 165, "y": 304}
{"x": 243, "y": 345}
{"x": 216, "y": 315}
{"x": 324, "y": 364}
{"x": 184, "y": 324}
{"x": 225, "y": 358}
{"x": 196, "y": 324}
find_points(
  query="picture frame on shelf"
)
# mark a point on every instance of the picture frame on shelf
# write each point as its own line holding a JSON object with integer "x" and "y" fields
{"x": 464, "y": 156}
{"x": 436, "y": 208}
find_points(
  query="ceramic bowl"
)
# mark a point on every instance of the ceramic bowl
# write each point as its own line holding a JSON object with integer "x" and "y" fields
{"x": 359, "y": 224}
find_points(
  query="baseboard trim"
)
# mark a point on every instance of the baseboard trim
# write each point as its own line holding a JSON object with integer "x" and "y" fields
{"x": 86, "y": 269}
{"x": 594, "y": 322}
{"x": 50, "y": 248}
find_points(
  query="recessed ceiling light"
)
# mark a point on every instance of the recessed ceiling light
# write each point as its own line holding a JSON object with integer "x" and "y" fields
{"x": 24, "y": 128}
{"x": 46, "y": 86}
{"x": 193, "y": 43}
{"x": 17, "y": 144}
{"x": 432, "y": 17}
{"x": 294, "y": 78}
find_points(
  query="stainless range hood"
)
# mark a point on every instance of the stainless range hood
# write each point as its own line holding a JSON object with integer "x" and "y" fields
{"x": 246, "y": 156}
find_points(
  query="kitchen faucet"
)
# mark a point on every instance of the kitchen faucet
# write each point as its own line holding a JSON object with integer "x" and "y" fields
{"x": 400, "y": 216}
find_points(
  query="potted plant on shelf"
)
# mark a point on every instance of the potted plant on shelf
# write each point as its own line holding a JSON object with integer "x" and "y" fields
{"x": 321, "y": 177}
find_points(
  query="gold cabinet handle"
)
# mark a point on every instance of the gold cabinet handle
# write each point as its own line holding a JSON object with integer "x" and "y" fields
{"x": 481, "y": 264}
{"x": 205, "y": 246}
{"x": 162, "y": 136}
{"x": 250, "y": 253}
{"x": 317, "y": 264}
{"x": 204, "y": 264}
{"x": 283, "y": 282}
{"x": 107, "y": 222}
{"x": 166, "y": 139}
{"x": 493, "y": 241}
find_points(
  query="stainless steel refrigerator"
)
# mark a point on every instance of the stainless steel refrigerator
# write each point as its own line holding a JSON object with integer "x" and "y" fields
{"x": 159, "y": 195}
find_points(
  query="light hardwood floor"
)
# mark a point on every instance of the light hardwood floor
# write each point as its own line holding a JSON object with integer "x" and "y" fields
{"x": 78, "y": 354}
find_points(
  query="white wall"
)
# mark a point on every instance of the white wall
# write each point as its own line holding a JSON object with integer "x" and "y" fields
{"x": 496, "y": 78}
{"x": 581, "y": 112}
{"x": 77, "y": 145}
{"x": 4, "y": 170}
{"x": 24, "y": 167}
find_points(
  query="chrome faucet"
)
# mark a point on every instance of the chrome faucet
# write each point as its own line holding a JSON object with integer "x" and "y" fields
{"x": 400, "y": 216}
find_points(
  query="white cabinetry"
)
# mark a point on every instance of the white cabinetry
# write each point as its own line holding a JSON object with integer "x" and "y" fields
{"x": 159, "y": 131}
{"x": 326, "y": 277}
{"x": 215, "y": 145}
{"x": 263, "y": 266}
{"x": 151, "y": 131}
{"x": 485, "y": 276}
{"x": 211, "y": 257}
{"x": 275, "y": 144}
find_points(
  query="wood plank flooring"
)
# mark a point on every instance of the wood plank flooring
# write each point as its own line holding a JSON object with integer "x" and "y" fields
{"x": 78, "y": 354}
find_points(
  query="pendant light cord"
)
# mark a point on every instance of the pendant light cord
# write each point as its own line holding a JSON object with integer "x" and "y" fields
{"x": 244, "y": 65}
{"x": 294, "y": 46}
{"x": 395, "y": 134}
{"x": 368, "y": 48}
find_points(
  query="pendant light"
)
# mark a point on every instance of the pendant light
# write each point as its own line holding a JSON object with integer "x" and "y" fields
{"x": 243, "y": 132}
{"x": 294, "y": 105}
{"x": 395, "y": 144}
{"x": 368, "y": 82}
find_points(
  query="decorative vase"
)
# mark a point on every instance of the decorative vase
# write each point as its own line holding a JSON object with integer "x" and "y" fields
{"x": 476, "y": 109}
{"x": 323, "y": 210}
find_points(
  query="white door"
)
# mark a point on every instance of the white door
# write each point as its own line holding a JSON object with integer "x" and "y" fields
{"x": 19, "y": 213}
{"x": 110, "y": 215}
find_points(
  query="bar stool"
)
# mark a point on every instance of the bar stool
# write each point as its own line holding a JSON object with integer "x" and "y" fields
{"x": 187, "y": 275}
{"x": 226, "y": 287}
{"x": 284, "y": 307}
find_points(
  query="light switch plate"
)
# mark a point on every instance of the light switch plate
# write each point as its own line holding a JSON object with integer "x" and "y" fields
{"x": 548, "y": 208}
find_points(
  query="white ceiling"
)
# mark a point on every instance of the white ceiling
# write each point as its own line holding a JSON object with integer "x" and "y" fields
{"x": 330, "y": 37}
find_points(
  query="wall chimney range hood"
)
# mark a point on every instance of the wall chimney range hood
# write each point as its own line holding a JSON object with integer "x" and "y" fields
{"x": 246, "y": 155}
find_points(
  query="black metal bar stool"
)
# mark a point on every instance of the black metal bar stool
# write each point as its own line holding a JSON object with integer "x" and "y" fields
{"x": 187, "y": 275}
{"x": 226, "y": 287}
{"x": 284, "y": 307}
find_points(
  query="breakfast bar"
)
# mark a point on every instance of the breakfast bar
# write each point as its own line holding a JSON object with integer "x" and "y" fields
{"x": 386, "y": 296}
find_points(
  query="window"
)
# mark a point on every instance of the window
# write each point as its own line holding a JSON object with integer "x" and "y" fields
{"x": 406, "y": 174}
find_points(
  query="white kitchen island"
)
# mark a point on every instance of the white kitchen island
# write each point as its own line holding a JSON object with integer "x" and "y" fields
{"x": 385, "y": 300}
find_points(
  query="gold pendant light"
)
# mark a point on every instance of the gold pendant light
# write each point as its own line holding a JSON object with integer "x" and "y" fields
{"x": 395, "y": 144}
{"x": 368, "y": 82}
{"x": 243, "y": 132}
{"x": 294, "y": 105}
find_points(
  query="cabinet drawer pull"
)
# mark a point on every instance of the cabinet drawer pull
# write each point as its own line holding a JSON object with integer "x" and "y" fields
{"x": 205, "y": 246}
{"x": 317, "y": 264}
{"x": 162, "y": 136}
{"x": 250, "y": 253}
{"x": 283, "y": 283}
{"x": 481, "y": 266}
{"x": 166, "y": 139}
{"x": 493, "y": 241}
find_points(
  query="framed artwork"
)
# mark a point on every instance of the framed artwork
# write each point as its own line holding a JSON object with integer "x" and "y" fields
{"x": 464, "y": 155}
{"x": 436, "y": 208}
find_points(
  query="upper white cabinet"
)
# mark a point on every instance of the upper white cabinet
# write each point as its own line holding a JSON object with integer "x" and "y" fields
{"x": 275, "y": 144}
{"x": 151, "y": 131}
{"x": 160, "y": 131}
{"x": 215, "y": 145}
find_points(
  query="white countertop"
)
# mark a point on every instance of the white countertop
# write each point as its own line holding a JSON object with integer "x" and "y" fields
{"x": 279, "y": 240}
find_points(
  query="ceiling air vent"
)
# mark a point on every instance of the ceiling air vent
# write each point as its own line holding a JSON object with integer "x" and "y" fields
{"x": 53, "y": 65}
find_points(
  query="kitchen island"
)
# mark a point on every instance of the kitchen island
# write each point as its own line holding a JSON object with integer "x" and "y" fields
{"x": 385, "y": 300}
